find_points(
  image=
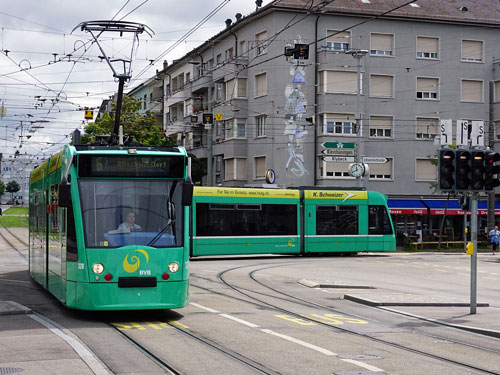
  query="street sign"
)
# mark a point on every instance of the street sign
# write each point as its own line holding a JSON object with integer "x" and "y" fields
{"x": 208, "y": 119}
{"x": 338, "y": 151}
{"x": 477, "y": 133}
{"x": 89, "y": 115}
{"x": 338, "y": 159}
{"x": 339, "y": 144}
{"x": 374, "y": 160}
{"x": 463, "y": 133}
{"x": 270, "y": 176}
{"x": 218, "y": 117}
{"x": 446, "y": 132}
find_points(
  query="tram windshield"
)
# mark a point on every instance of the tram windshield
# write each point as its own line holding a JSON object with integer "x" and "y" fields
{"x": 132, "y": 212}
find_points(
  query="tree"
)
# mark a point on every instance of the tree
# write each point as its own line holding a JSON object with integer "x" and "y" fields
{"x": 198, "y": 168}
{"x": 142, "y": 128}
{"x": 2, "y": 188}
{"x": 12, "y": 187}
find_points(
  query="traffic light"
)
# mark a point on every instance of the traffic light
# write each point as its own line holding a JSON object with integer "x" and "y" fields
{"x": 301, "y": 51}
{"x": 463, "y": 174}
{"x": 477, "y": 171}
{"x": 208, "y": 118}
{"x": 446, "y": 170}
{"x": 491, "y": 170}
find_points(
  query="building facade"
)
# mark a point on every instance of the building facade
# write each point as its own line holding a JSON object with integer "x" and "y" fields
{"x": 370, "y": 80}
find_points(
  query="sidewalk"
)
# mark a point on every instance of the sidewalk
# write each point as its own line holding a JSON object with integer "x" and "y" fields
{"x": 30, "y": 343}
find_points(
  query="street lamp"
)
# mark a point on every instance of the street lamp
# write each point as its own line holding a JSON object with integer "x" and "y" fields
{"x": 358, "y": 54}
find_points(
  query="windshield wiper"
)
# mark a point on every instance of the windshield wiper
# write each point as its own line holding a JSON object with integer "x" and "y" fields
{"x": 160, "y": 233}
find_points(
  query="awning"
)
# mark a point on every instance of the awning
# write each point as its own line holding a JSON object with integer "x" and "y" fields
{"x": 436, "y": 206}
{"x": 406, "y": 207}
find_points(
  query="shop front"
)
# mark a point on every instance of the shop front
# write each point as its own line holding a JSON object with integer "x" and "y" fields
{"x": 421, "y": 219}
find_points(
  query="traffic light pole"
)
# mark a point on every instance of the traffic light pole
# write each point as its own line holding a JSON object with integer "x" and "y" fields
{"x": 473, "y": 263}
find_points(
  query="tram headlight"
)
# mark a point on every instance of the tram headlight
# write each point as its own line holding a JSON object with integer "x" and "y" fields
{"x": 98, "y": 268}
{"x": 173, "y": 267}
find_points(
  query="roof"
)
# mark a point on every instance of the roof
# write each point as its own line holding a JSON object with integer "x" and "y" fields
{"x": 470, "y": 11}
{"x": 476, "y": 12}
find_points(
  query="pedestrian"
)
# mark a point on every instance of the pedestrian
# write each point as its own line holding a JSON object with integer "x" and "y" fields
{"x": 494, "y": 237}
{"x": 0, "y": 211}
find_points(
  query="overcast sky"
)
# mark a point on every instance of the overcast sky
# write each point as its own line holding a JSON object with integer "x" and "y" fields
{"x": 39, "y": 82}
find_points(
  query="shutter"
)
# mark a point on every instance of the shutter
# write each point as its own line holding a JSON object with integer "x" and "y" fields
{"x": 425, "y": 44}
{"x": 344, "y": 82}
{"x": 427, "y": 84}
{"x": 472, "y": 91}
{"x": 381, "y": 42}
{"x": 425, "y": 170}
{"x": 381, "y": 85}
{"x": 472, "y": 50}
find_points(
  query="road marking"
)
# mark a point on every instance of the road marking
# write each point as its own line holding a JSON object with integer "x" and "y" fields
{"x": 464, "y": 274}
{"x": 440, "y": 270}
{"x": 240, "y": 320}
{"x": 364, "y": 365}
{"x": 204, "y": 308}
{"x": 292, "y": 339}
{"x": 299, "y": 342}
{"x": 489, "y": 278}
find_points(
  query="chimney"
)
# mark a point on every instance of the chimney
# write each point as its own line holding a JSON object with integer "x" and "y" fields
{"x": 238, "y": 16}
{"x": 228, "y": 22}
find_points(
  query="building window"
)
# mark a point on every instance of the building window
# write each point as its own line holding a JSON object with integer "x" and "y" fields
{"x": 261, "y": 43}
{"x": 381, "y": 44}
{"x": 260, "y": 84}
{"x": 339, "y": 125}
{"x": 472, "y": 91}
{"x": 497, "y": 91}
{"x": 381, "y": 171}
{"x": 218, "y": 59}
{"x": 472, "y": 51}
{"x": 145, "y": 102}
{"x": 339, "y": 82}
{"x": 234, "y": 128}
{"x": 425, "y": 170}
{"x": 380, "y": 127}
{"x": 381, "y": 86}
{"x": 427, "y": 47}
{"x": 334, "y": 170}
{"x": 236, "y": 88}
{"x": 259, "y": 167}
{"x": 229, "y": 54}
{"x": 220, "y": 91}
{"x": 260, "y": 122}
{"x": 427, "y": 128}
{"x": 188, "y": 107}
{"x": 235, "y": 169}
{"x": 427, "y": 88}
{"x": 497, "y": 130}
{"x": 337, "y": 40}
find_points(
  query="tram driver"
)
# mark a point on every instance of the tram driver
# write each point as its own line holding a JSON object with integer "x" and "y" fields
{"x": 129, "y": 225}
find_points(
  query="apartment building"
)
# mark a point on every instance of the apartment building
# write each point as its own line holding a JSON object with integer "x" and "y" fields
{"x": 379, "y": 78}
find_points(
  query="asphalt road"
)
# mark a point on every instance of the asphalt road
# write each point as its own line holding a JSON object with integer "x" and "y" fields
{"x": 290, "y": 315}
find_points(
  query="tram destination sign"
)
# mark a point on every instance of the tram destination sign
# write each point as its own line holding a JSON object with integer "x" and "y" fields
{"x": 125, "y": 166}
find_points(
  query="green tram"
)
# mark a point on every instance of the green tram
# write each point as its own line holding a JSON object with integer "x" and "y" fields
{"x": 227, "y": 221}
{"x": 109, "y": 227}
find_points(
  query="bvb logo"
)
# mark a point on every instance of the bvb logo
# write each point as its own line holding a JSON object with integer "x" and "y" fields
{"x": 291, "y": 242}
{"x": 136, "y": 263}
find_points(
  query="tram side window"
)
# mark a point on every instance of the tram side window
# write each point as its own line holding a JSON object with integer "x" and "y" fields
{"x": 336, "y": 220}
{"x": 217, "y": 219}
{"x": 71, "y": 249}
{"x": 378, "y": 220}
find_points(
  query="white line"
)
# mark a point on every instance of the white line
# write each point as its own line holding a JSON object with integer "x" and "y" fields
{"x": 85, "y": 354}
{"x": 300, "y": 342}
{"x": 364, "y": 365}
{"x": 240, "y": 321}
{"x": 204, "y": 308}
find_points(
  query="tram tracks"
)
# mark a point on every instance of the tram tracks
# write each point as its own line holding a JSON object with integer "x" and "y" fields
{"x": 281, "y": 296}
{"x": 10, "y": 243}
{"x": 171, "y": 369}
